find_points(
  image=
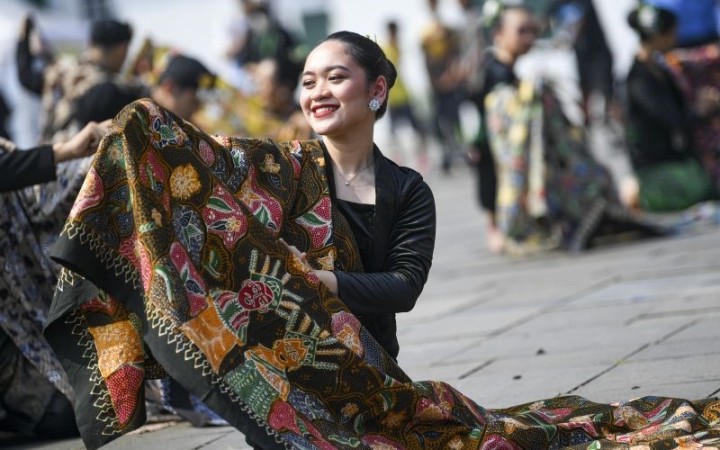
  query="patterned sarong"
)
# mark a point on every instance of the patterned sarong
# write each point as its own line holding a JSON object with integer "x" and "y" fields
{"x": 174, "y": 266}
{"x": 551, "y": 191}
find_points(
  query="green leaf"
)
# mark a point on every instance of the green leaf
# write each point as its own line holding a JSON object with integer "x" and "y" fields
{"x": 150, "y": 176}
{"x": 348, "y": 441}
{"x": 211, "y": 264}
{"x": 359, "y": 424}
{"x": 219, "y": 204}
{"x": 263, "y": 215}
{"x": 314, "y": 220}
{"x": 301, "y": 426}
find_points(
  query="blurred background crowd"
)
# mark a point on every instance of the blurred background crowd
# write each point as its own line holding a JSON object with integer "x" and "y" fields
{"x": 255, "y": 49}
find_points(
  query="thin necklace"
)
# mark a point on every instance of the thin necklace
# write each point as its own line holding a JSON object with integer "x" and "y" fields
{"x": 348, "y": 181}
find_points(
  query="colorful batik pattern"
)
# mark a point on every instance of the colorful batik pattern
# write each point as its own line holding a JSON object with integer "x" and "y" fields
{"x": 173, "y": 261}
{"x": 551, "y": 191}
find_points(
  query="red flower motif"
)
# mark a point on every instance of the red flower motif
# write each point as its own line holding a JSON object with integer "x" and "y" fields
{"x": 255, "y": 295}
{"x": 497, "y": 442}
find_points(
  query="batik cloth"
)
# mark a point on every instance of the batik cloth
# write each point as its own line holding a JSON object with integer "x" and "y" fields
{"x": 552, "y": 193}
{"x": 174, "y": 264}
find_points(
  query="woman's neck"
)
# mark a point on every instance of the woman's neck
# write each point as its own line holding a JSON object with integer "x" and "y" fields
{"x": 351, "y": 154}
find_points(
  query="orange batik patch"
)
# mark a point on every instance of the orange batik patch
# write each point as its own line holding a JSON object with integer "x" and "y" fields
{"x": 209, "y": 333}
{"x": 117, "y": 344}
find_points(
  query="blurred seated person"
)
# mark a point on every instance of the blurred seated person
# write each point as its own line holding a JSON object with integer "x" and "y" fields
{"x": 270, "y": 110}
{"x": 661, "y": 120}
{"x": 551, "y": 193}
{"x": 181, "y": 86}
{"x": 698, "y": 69}
{"x": 35, "y": 396}
{"x": 281, "y": 116}
{"x": 179, "y": 89}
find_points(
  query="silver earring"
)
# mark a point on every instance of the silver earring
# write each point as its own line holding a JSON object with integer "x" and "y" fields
{"x": 374, "y": 105}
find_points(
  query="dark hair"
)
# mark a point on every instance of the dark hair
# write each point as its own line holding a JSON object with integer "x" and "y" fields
{"x": 649, "y": 21}
{"x": 392, "y": 26}
{"x": 107, "y": 33}
{"x": 368, "y": 54}
{"x": 188, "y": 73}
{"x": 494, "y": 12}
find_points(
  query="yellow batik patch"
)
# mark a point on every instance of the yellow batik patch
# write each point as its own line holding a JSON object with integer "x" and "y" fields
{"x": 117, "y": 344}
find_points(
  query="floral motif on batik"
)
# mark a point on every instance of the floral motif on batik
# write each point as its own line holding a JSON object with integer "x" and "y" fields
{"x": 318, "y": 222}
{"x": 266, "y": 209}
{"x": 224, "y": 218}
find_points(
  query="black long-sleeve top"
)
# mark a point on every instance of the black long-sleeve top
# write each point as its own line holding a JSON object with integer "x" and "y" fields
{"x": 396, "y": 240}
{"x": 23, "y": 168}
{"x": 659, "y": 118}
{"x": 495, "y": 73}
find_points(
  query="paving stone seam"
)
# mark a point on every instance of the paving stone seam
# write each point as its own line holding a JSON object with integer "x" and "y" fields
{"x": 633, "y": 353}
{"x": 677, "y": 313}
{"x": 477, "y": 369}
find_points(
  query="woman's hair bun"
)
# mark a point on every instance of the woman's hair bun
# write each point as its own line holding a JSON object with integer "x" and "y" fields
{"x": 649, "y": 20}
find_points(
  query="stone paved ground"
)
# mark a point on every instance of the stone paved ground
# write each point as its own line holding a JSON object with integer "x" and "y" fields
{"x": 620, "y": 321}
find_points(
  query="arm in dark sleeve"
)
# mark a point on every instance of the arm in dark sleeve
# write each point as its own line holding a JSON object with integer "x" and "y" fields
{"x": 655, "y": 101}
{"x": 30, "y": 78}
{"x": 407, "y": 264}
{"x": 23, "y": 168}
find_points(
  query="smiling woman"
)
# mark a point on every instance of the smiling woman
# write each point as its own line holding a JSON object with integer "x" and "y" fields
{"x": 243, "y": 270}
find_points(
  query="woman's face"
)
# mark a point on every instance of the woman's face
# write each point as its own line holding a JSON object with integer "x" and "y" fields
{"x": 517, "y": 33}
{"x": 665, "y": 42}
{"x": 335, "y": 94}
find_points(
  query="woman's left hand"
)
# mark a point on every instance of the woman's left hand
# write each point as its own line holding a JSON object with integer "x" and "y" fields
{"x": 302, "y": 256}
{"x": 326, "y": 277}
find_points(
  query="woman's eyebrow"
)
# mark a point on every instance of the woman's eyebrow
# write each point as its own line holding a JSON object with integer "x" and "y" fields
{"x": 329, "y": 69}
